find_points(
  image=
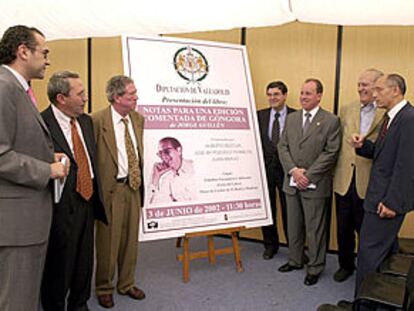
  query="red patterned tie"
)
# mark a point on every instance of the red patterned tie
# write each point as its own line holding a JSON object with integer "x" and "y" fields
{"x": 32, "y": 96}
{"x": 384, "y": 127}
{"x": 84, "y": 180}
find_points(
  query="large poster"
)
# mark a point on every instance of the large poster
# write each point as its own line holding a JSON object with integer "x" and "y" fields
{"x": 203, "y": 166}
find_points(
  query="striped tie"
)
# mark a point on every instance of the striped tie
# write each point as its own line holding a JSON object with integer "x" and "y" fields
{"x": 307, "y": 122}
{"x": 276, "y": 130}
{"x": 133, "y": 168}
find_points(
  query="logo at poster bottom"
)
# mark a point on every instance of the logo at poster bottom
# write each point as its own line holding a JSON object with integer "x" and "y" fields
{"x": 152, "y": 225}
{"x": 191, "y": 64}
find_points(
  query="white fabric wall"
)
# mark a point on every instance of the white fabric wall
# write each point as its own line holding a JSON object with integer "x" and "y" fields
{"x": 60, "y": 19}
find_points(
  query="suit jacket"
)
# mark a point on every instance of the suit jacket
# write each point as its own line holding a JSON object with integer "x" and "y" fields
{"x": 316, "y": 151}
{"x": 274, "y": 169}
{"x": 107, "y": 155}
{"x": 348, "y": 159}
{"x": 391, "y": 181}
{"x": 60, "y": 144}
{"x": 26, "y": 151}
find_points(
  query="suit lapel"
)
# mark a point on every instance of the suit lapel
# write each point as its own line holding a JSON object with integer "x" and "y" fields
{"x": 379, "y": 114}
{"x": 109, "y": 135}
{"x": 56, "y": 132}
{"x": 355, "y": 118}
{"x": 265, "y": 124}
{"x": 379, "y": 144}
{"x": 28, "y": 101}
{"x": 266, "y": 119}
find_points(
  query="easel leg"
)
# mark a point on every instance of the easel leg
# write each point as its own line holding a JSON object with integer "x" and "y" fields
{"x": 211, "y": 250}
{"x": 236, "y": 251}
{"x": 186, "y": 260}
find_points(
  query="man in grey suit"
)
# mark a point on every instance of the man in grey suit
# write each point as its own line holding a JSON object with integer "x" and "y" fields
{"x": 308, "y": 151}
{"x": 27, "y": 163}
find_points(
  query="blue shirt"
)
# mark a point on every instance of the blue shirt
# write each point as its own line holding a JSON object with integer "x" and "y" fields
{"x": 367, "y": 115}
{"x": 282, "y": 119}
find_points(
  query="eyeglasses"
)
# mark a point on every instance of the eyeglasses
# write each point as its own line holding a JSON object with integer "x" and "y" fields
{"x": 43, "y": 52}
{"x": 165, "y": 152}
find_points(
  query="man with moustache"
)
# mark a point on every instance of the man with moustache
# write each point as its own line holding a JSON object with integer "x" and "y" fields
{"x": 27, "y": 164}
{"x": 271, "y": 124}
{"x": 69, "y": 260}
{"x": 308, "y": 151}
{"x": 352, "y": 171}
{"x": 118, "y": 131}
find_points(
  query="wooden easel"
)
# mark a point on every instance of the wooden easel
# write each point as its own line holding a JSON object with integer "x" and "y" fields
{"x": 211, "y": 252}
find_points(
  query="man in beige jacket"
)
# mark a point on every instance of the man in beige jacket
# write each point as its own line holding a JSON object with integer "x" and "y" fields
{"x": 352, "y": 171}
{"x": 118, "y": 132}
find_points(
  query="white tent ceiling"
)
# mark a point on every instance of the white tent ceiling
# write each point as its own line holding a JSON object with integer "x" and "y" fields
{"x": 60, "y": 19}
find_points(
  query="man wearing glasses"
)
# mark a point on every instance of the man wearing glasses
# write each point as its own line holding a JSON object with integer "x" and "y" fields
{"x": 172, "y": 179}
{"x": 118, "y": 132}
{"x": 27, "y": 164}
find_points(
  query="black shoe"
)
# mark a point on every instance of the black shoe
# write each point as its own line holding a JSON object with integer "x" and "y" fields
{"x": 311, "y": 279}
{"x": 329, "y": 307}
{"x": 269, "y": 253}
{"x": 288, "y": 267}
{"x": 345, "y": 304}
{"x": 342, "y": 274}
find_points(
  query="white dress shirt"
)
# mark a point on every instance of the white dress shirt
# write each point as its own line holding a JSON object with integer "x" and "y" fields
{"x": 394, "y": 110}
{"x": 119, "y": 128}
{"x": 312, "y": 112}
{"x": 175, "y": 186}
{"x": 64, "y": 123}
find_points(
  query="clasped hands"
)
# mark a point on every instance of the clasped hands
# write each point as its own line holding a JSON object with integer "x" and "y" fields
{"x": 302, "y": 182}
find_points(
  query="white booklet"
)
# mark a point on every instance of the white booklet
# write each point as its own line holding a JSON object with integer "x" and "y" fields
{"x": 292, "y": 183}
{"x": 59, "y": 184}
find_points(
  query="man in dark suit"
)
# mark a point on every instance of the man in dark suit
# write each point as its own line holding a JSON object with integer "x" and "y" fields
{"x": 27, "y": 163}
{"x": 69, "y": 260}
{"x": 308, "y": 151}
{"x": 271, "y": 123}
{"x": 118, "y": 131}
{"x": 352, "y": 171}
{"x": 390, "y": 193}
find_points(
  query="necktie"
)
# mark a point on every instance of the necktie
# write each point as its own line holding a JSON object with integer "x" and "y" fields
{"x": 276, "y": 129}
{"x": 384, "y": 126}
{"x": 32, "y": 96}
{"x": 83, "y": 180}
{"x": 307, "y": 123}
{"x": 133, "y": 168}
